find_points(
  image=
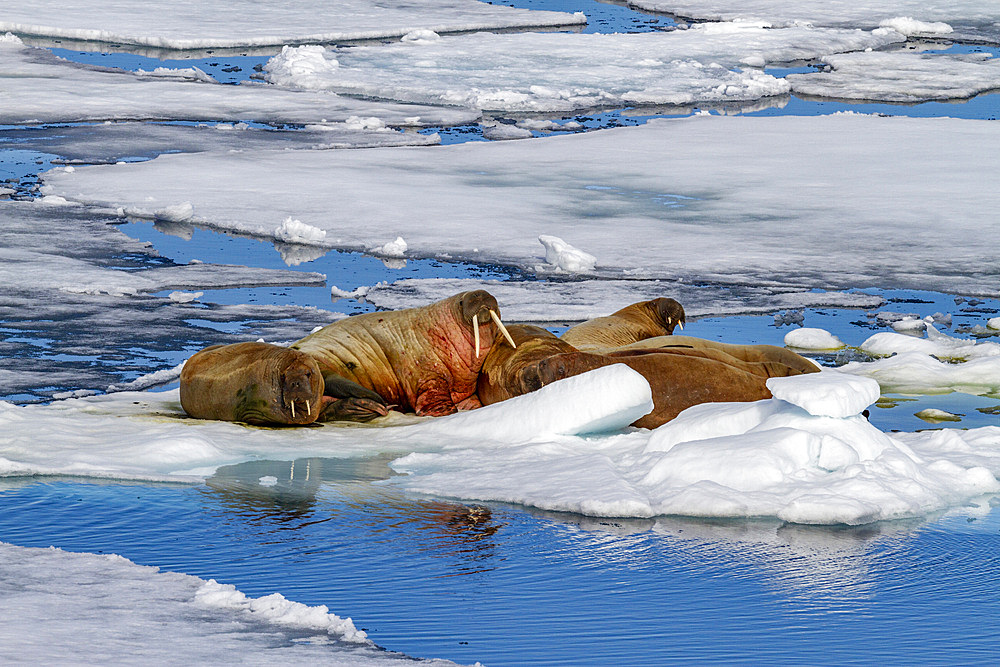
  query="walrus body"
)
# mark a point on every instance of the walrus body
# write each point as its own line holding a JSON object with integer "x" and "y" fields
{"x": 256, "y": 383}
{"x": 424, "y": 360}
{"x": 679, "y": 377}
{"x": 645, "y": 319}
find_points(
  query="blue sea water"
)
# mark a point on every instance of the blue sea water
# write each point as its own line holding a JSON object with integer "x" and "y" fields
{"x": 509, "y": 586}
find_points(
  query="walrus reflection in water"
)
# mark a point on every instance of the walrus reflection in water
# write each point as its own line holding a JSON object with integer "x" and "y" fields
{"x": 424, "y": 360}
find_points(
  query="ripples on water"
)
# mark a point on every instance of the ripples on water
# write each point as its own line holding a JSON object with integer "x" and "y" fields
{"x": 507, "y": 586}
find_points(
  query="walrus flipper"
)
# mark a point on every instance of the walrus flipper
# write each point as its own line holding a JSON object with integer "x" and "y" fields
{"x": 350, "y": 401}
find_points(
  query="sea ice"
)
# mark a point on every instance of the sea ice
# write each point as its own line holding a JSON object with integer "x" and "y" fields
{"x": 52, "y": 598}
{"x": 41, "y": 88}
{"x": 799, "y": 175}
{"x": 564, "y": 257}
{"x": 562, "y": 72}
{"x": 194, "y": 24}
{"x": 969, "y": 19}
{"x": 553, "y": 450}
{"x": 807, "y": 338}
{"x": 900, "y": 76}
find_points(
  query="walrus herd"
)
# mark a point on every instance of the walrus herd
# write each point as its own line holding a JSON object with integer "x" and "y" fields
{"x": 456, "y": 354}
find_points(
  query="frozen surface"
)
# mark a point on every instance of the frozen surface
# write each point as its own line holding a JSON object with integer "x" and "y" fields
{"x": 880, "y": 221}
{"x": 965, "y": 19}
{"x": 577, "y": 300}
{"x": 189, "y": 24}
{"x": 770, "y": 458}
{"x": 561, "y": 72}
{"x": 59, "y": 606}
{"x": 38, "y": 88}
{"x": 900, "y": 76}
{"x": 808, "y": 338}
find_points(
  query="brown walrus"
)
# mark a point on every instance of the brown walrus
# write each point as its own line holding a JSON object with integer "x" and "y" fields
{"x": 645, "y": 319}
{"x": 649, "y": 325}
{"x": 256, "y": 383}
{"x": 424, "y": 360}
{"x": 679, "y": 377}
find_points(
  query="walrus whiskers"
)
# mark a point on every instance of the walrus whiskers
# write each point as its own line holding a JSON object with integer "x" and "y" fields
{"x": 503, "y": 329}
{"x": 475, "y": 328}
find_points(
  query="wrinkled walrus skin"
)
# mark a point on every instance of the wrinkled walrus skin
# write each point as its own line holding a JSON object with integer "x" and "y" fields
{"x": 645, "y": 319}
{"x": 256, "y": 383}
{"x": 678, "y": 377}
{"x": 421, "y": 360}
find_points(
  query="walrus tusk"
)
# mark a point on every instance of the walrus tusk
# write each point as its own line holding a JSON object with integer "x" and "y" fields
{"x": 503, "y": 329}
{"x": 680, "y": 325}
{"x": 309, "y": 410}
{"x": 293, "y": 409}
{"x": 475, "y": 328}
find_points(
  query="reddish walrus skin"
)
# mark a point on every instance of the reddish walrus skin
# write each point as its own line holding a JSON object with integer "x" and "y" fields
{"x": 421, "y": 360}
{"x": 679, "y": 377}
{"x": 256, "y": 383}
{"x": 645, "y": 319}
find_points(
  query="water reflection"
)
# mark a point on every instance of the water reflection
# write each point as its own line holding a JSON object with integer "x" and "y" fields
{"x": 304, "y": 493}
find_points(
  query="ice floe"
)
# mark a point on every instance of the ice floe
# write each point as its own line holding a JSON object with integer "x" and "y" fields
{"x": 775, "y": 188}
{"x": 237, "y": 23}
{"x": 562, "y": 72}
{"x": 900, "y": 76}
{"x": 809, "y": 338}
{"x": 805, "y": 456}
{"x": 53, "y": 597}
{"x": 961, "y": 19}
{"x": 41, "y": 88}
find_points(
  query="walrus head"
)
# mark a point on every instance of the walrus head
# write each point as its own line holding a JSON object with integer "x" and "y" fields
{"x": 256, "y": 383}
{"x": 668, "y": 312}
{"x": 478, "y": 309}
{"x": 513, "y": 370}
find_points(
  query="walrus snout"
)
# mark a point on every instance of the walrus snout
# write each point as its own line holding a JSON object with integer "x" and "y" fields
{"x": 669, "y": 312}
{"x": 479, "y": 307}
{"x": 300, "y": 383}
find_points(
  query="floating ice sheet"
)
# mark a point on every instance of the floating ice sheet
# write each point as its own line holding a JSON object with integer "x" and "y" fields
{"x": 577, "y": 300}
{"x": 965, "y": 19}
{"x": 775, "y": 189}
{"x": 40, "y": 88}
{"x": 191, "y": 24}
{"x": 900, "y": 76}
{"x": 562, "y": 72}
{"x": 770, "y": 458}
{"x": 53, "y": 597}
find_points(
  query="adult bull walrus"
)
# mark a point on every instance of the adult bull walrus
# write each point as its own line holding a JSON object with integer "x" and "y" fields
{"x": 678, "y": 377}
{"x": 424, "y": 360}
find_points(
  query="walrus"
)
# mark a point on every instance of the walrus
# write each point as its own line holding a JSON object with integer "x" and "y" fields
{"x": 656, "y": 317}
{"x": 649, "y": 325}
{"x": 679, "y": 377}
{"x": 256, "y": 383}
{"x": 424, "y": 360}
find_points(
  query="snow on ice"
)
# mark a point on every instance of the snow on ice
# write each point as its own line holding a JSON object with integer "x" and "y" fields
{"x": 562, "y": 72}
{"x": 40, "y": 88}
{"x": 52, "y": 598}
{"x": 193, "y": 24}
{"x": 961, "y": 19}
{"x": 801, "y": 177}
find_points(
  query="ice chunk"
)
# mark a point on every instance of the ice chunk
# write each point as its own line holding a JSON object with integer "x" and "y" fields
{"x": 184, "y": 297}
{"x": 828, "y": 393}
{"x": 565, "y": 257}
{"x": 993, "y": 323}
{"x": 812, "y": 339}
{"x": 908, "y": 26}
{"x": 395, "y": 248}
{"x": 505, "y": 132}
{"x": 296, "y": 231}
{"x": 936, "y": 344}
{"x": 177, "y": 213}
